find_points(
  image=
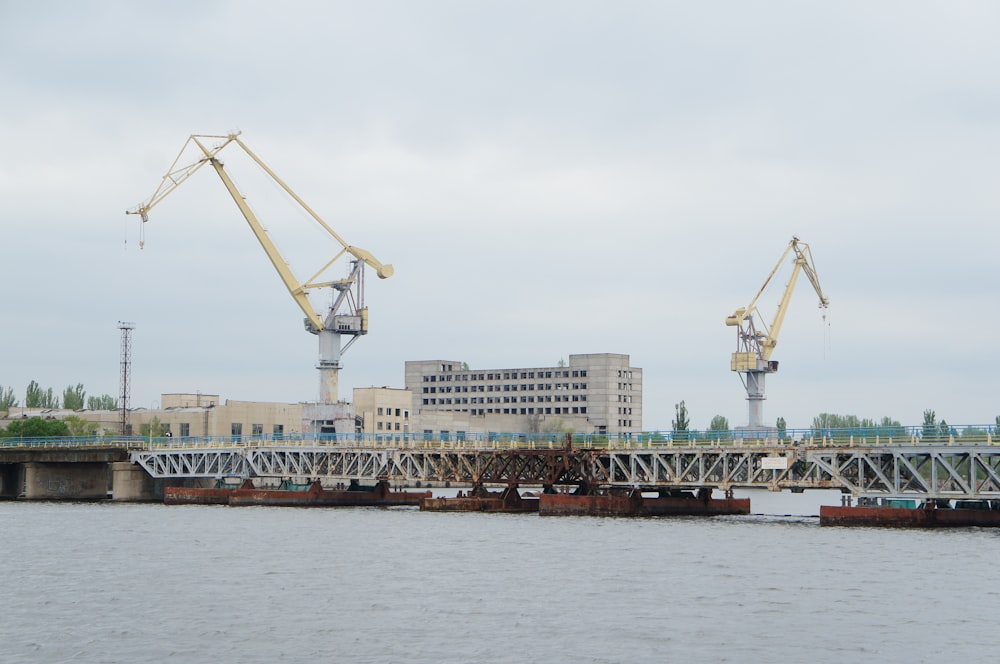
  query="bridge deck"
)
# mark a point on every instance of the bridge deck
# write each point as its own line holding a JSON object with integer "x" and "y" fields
{"x": 908, "y": 466}
{"x": 903, "y": 471}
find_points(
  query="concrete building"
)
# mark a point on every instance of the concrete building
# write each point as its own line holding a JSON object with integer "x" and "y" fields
{"x": 595, "y": 393}
{"x": 383, "y": 411}
{"x": 201, "y": 415}
{"x": 204, "y": 415}
{"x": 376, "y": 410}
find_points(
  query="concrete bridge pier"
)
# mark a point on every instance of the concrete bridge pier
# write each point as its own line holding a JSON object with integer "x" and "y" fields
{"x": 10, "y": 480}
{"x": 130, "y": 483}
{"x": 65, "y": 481}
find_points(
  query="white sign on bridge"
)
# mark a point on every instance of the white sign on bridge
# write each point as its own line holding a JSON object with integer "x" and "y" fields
{"x": 774, "y": 463}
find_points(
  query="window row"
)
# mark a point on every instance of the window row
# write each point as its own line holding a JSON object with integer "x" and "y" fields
{"x": 557, "y": 410}
{"x": 236, "y": 429}
{"x": 391, "y": 426}
{"x": 444, "y": 401}
{"x": 507, "y": 375}
{"x": 512, "y": 387}
{"x": 389, "y": 411}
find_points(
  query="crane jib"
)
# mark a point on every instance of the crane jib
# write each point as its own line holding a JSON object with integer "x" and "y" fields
{"x": 348, "y": 316}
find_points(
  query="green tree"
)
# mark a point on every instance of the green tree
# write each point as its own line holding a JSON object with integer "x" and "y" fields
{"x": 996, "y": 429}
{"x": 154, "y": 429}
{"x": 718, "y": 429}
{"x": 888, "y": 427}
{"x": 719, "y": 423}
{"x": 840, "y": 426}
{"x": 781, "y": 426}
{"x": 826, "y": 421}
{"x": 929, "y": 430}
{"x": 8, "y": 400}
{"x": 80, "y": 427}
{"x": 103, "y": 402}
{"x": 681, "y": 424}
{"x": 36, "y": 427}
{"x": 74, "y": 397}
{"x": 36, "y": 397}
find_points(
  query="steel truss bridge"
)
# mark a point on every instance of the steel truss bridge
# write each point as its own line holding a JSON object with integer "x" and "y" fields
{"x": 922, "y": 471}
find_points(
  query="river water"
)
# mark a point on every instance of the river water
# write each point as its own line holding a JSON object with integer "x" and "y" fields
{"x": 149, "y": 583}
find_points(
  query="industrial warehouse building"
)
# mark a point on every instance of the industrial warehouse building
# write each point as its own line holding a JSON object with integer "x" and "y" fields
{"x": 595, "y": 393}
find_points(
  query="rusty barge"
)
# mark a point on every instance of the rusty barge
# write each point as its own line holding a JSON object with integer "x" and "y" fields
{"x": 930, "y": 514}
{"x": 633, "y": 503}
{"x": 599, "y": 503}
{"x": 509, "y": 500}
{"x": 311, "y": 495}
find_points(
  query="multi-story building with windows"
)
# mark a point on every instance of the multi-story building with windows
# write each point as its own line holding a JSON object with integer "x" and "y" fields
{"x": 593, "y": 393}
{"x": 383, "y": 411}
{"x": 597, "y": 393}
{"x": 206, "y": 415}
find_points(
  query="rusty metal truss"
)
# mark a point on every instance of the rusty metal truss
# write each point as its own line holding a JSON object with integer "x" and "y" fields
{"x": 904, "y": 471}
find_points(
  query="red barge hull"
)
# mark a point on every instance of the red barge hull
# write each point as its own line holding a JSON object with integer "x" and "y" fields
{"x": 695, "y": 506}
{"x": 315, "y": 496}
{"x": 903, "y": 517}
{"x": 563, "y": 504}
{"x": 509, "y": 501}
{"x": 183, "y": 495}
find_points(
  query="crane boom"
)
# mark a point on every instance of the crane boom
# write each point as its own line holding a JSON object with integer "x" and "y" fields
{"x": 803, "y": 263}
{"x": 756, "y": 340}
{"x": 329, "y": 327}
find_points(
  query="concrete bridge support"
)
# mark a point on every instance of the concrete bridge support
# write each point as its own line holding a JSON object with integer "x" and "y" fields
{"x": 65, "y": 481}
{"x": 131, "y": 483}
{"x": 10, "y": 480}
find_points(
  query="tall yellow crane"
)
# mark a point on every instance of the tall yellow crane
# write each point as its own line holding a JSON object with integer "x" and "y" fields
{"x": 755, "y": 340}
{"x": 347, "y": 316}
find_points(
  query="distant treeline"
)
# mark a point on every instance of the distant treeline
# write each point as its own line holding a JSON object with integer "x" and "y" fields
{"x": 74, "y": 397}
{"x": 825, "y": 423}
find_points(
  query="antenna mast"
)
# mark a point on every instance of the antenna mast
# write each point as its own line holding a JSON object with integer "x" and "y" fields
{"x": 126, "y": 375}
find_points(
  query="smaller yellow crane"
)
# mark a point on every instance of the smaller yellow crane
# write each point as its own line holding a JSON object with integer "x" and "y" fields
{"x": 353, "y": 321}
{"x": 755, "y": 341}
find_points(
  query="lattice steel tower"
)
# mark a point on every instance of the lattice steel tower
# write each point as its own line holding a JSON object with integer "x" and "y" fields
{"x": 126, "y": 374}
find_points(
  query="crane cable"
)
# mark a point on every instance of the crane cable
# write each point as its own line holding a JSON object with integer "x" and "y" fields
{"x": 827, "y": 344}
{"x": 142, "y": 234}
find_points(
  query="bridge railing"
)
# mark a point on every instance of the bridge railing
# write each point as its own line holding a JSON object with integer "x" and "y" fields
{"x": 864, "y": 437}
{"x": 73, "y": 442}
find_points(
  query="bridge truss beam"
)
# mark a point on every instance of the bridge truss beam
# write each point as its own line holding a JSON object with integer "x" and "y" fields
{"x": 904, "y": 471}
{"x": 192, "y": 463}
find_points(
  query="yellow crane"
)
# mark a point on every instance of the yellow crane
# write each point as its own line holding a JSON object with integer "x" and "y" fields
{"x": 755, "y": 340}
{"x": 347, "y": 316}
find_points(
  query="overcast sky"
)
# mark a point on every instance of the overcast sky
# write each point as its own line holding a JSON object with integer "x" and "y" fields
{"x": 547, "y": 178}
